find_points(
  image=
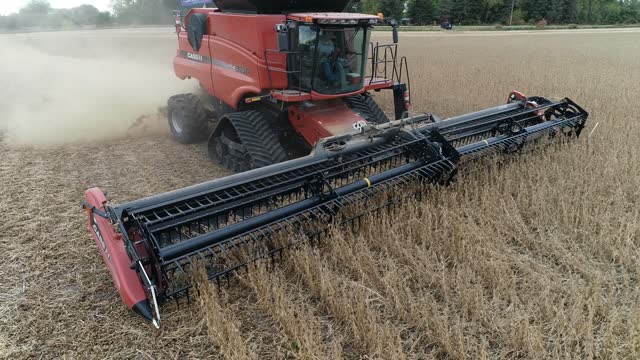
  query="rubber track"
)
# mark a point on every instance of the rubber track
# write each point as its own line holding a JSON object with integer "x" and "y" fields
{"x": 258, "y": 138}
{"x": 365, "y": 105}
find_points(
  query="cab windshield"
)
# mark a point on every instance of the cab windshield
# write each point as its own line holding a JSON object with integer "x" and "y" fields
{"x": 329, "y": 60}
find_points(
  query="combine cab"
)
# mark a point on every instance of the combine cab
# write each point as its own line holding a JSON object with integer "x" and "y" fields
{"x": 289, "y": 93}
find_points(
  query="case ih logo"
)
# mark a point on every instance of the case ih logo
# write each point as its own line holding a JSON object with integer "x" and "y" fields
{"x": 195, "y": 57}
{"x": 360, "y": 125}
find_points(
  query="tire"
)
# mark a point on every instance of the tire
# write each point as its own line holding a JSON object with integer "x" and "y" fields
{"x": 367, "y": 107}
{"x": 243, "y": 141}
{"x": 188, "y": 120}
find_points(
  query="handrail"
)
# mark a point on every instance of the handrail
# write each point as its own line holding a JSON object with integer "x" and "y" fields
{"x": 385, "y": 58}
{"x": 285, "y": 71}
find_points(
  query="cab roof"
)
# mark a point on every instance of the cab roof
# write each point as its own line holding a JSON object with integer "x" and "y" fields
{"x": 281, "y": 6}
{"x": 331, "y": 16}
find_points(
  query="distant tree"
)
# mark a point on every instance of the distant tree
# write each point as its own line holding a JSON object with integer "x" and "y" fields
{"x": 84, "y": 14}
{"x": 123, "y": 10}
{"x": 499, "y": 11}
{"x": 392, "y": 8}
{"x": 420, "y": 12}
{"x": 354, "y": 7}
{"x": 443, "y": 10}
{"x": 561, "y": 11}
{"x": 536, "y": 10}
{"x": 13, "y": 23}
{"x": 39, "y": 14}
{"x": 143, "y": 11}
{"x": 104, "y": 19}
{"x": 473, "y": 12}
{"x": 587, "y": 11}
{"x": 370, "y": 6}
{"x": 458, "y": 13}
{"x": 56, "y": 20}
{"x": 36, "y": 7}
{"x": 34, "y": 14}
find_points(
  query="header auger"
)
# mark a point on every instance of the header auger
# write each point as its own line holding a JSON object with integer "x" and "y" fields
{"x": 318, "y": 151}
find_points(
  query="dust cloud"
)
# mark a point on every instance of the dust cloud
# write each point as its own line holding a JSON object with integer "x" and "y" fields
{"x": 83, "y": 87}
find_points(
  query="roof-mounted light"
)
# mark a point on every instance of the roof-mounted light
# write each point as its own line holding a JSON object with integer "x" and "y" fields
{"x": 338, "y": 21}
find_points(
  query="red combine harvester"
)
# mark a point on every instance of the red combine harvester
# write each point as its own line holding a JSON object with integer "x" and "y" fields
{"x": 276, "y": 83}
{"x": 288, "y": 83}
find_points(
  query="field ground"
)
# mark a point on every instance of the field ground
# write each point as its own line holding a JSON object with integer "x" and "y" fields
{"x": 537, "y": 259}
{"x": 499, "y": 27}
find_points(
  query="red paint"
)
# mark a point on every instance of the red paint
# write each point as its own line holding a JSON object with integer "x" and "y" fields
{"x": 322, "y": 119}
{"x": 377, "y": 83}
{"x": 316, "y": 96}
{"x": 516, "y": 95}
{"x": 298, "y": 96}
{"x": 240, "y": 40}
{"x": 111, "y": 247}
{"x": 406, "y": 98}
{"x": 290, "y": 95}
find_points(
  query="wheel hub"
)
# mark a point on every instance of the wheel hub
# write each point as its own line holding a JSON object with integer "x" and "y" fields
{"x": 177, "y": 120}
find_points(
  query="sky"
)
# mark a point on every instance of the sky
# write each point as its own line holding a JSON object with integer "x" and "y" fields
{"x": 12, "y": 6}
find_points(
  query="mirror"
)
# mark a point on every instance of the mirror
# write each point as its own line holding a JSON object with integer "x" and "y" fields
{"x": 394, "y": 27}
{"x": 281, "y": 37}
{"x": 283, "y": 41}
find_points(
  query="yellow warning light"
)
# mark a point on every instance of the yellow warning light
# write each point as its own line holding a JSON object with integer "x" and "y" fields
{"x": 381, "y": 15}
{"x": 308, "y": 19}
{"x": 252, "y": 99}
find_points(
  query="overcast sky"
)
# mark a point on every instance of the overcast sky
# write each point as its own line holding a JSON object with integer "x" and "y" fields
{"x": 12, "y": 6}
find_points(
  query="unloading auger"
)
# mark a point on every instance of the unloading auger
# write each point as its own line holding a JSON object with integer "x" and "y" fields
{"x": 153, "y": 245}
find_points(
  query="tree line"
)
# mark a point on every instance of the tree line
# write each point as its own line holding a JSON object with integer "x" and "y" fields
{"x": 504, "y": 12}
{"x": 40, "y": 14}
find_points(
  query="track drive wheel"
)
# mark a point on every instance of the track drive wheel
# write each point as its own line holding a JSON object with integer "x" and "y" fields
{"x": 188, "y": 120}
{"x": 243, "y": 141}
{"x": 367, "y": 107}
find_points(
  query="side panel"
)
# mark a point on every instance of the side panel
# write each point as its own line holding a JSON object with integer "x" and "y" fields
{"x": 113, "y": 252}
{"x": 240, "y": 44}
{"x": 190, "y": 63}
{"x": 323, "y": 119}
{"x": 232, "y": 61}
